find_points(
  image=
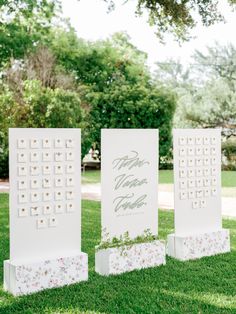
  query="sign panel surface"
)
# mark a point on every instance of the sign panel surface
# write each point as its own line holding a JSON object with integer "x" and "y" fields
{"x": 129, "y": 182}
{"x": 197, "y": 180}
{"x": 45, "y": 205}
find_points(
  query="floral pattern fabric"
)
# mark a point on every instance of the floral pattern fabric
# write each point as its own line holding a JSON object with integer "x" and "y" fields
{"x": 127, "y": 258}
{"x": 33, "y": 277}
{"x": 197, "y": 246}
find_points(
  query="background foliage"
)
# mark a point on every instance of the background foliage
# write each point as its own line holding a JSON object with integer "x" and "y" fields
{"x": 49, "y": 77}
{"x": 206, "y": 93}
{"x": 178, "y": 17}
{"x": 55, "y": 79}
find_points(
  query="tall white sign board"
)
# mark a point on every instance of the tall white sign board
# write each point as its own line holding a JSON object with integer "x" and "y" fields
{"x": 197, "y": 187}
{"x": 129, "y": 200}
{"x": 197, "y": 177}
{"x": 129, "y": 182}
{"x": 45, "y": 202}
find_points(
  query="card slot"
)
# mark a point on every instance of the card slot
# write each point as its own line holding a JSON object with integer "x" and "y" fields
{"x": 58, "y": 169}
{"x": 34, "y": 143}
{"x": 47, "y": 196}
{"x": 47, "y": 143}
{"x": 22, "y": 198}
{"x": 70, "y": 207}
{"x": 190, "y": 140}
{"x": 47, "y": 156}
{"x": 59, "y": 208}
{"x": 53, "y": 222}
{"x": 41, "y": 223}
{"x": 47, "y": 209}
{"x": 70, "y": 156}
{"x": 198, "y": 141}
{"x": 34, "y": 156}
{"x": 58, "y": 143}
{"x": 195, "y": 204}
{"x": 70, "y": 143}
{"x": 47, "y": 169}
{"x": 70, "y": 168}
{"x": 22, "y": 184}
{"x": 21, "y": 157}
{"x": 35, "y": 211}
{"x": 58, "y": 195}
{"x": 58, "y": 182}
{"x": 58, "y": 156}
{"x": 182, "y": 141}
{"x": 21, "y": 143}
{"x": 22, "y": 171}
{"x": 22, "y": 212}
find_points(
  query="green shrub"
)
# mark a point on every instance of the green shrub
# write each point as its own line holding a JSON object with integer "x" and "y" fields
{"x": 132, "y": 106}
{"x": 37, "y": 107}
{"x": 229, "y": 150}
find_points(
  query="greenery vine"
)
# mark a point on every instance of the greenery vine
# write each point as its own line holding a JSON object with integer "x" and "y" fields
{"x": 125, "y": 241}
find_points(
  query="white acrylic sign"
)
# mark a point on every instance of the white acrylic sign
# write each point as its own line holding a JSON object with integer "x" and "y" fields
{"x": 129, "y": 182}
{"x": 197, "y": 180}
{"x": 45, "y": 205}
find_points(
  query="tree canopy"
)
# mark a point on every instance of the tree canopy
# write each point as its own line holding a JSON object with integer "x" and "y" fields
{"x": 206, "y": 89}
{"x": 69, "y": 82}
{"x": 116, "y": 86}
{"x": 178, "y": 16}
{"x": 23, "y": 25}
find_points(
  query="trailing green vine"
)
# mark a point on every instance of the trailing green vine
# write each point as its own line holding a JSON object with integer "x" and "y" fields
{"x": 125, "y": 240}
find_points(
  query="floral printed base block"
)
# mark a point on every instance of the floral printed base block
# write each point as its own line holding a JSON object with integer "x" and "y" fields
{"x": 113, "y": 261}
{"x": 196, "y": 246}
{"x": 26, "y": 278}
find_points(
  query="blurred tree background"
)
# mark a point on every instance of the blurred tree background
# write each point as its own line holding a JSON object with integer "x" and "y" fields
{"x": 49, "y": 77}
{"x": 206, "y": 94}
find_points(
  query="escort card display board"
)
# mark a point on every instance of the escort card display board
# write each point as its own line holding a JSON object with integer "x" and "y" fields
{"x": 129, "y": 178}
{"x": 197, "y": 189}
{"x": 45, "y": 207}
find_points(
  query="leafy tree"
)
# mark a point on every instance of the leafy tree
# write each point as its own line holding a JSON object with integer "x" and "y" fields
{"x": 213, "y": 104}
{"x": 178, "y": 17}
{"x": 177, "y": 78}
{"x": 218, "y": 62}
{"x": 100, "y": 63}
{"x": 172, "y": 74}
{"x": 39, "y": 107}
{"x": 132, "y": 106}
{"x": 229, "y": 150}
{"x": 24, "y": 24}
{"x": 206, "y": 89}
{"x": 115, "y": 87}
{"x": 107, "y": 85}
{"x": 40, "y": 65}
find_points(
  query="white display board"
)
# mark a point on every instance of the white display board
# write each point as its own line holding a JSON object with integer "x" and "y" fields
{"x": 129, "y": 177}
{"x": 197, "y": 180}
{"x": 45, "y": 197}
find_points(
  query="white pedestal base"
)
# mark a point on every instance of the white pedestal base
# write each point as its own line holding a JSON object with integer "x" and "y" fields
{"x": 26, "y": 278}
{"x": 196, "y": 246}
{"x": 113, "y": 261}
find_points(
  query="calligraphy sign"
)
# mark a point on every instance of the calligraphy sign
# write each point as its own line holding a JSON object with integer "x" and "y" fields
{"x": 129, "y": 174}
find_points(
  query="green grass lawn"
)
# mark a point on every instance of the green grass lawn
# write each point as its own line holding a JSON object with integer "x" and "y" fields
{"x": 204, "y": 286}
{"x": 165, "y": 177}
{"x": 91, "y": 176}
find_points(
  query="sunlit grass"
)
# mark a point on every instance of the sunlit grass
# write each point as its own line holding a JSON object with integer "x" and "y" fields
{"x": 204, "y": 286}
{"x": 165, "y": 177}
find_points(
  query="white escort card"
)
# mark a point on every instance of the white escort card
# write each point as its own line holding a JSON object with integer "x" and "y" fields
{"x": 197, "y": 192}
{"x": 45, "y": 207}
{"x": 129, "y": 175}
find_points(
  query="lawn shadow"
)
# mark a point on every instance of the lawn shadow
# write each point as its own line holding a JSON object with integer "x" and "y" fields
{"x": 207, "y": 285}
